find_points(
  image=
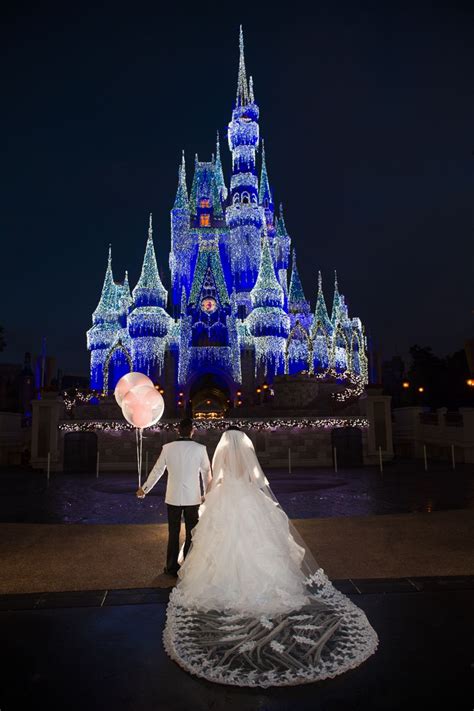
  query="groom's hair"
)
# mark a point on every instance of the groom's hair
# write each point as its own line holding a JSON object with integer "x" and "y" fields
{"x": 185, "y": 427}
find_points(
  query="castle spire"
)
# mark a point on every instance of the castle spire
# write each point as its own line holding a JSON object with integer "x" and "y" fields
{"x": 149, "y": 290}
{"x": 107, "y": 301}
{"x": 336, "y": 303}
{"x": 321, "y": 313}
{"x": 218, "y": 172}
{"x": 242, "y": 86}
{"x": 264, "y": 192}
{"x": 251, "y": 92}
{"x": 296, "y": 297}
{"x": 181, "y": 201}
{"x": 267, "y": 290}
{"x": 281, "y": 227}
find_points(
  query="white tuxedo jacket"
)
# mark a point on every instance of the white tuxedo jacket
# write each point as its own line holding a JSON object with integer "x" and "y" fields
{"x": 185, "y": 461}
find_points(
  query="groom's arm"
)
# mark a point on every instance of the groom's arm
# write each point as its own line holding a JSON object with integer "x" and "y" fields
{"x": 205, "y": 468}
{"x": 156, "y": 473}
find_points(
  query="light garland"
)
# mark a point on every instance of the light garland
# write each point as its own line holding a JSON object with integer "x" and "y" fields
{"x": 70, "y": 399}
{"x": 323, "y": 423}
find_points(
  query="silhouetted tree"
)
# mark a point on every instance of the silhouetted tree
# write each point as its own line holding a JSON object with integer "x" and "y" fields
{"x": 443, "y": 379}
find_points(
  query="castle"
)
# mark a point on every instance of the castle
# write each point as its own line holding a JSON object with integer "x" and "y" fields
{"x": 232, "y": 322}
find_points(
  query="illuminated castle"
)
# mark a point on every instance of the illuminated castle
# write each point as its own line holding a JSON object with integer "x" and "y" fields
{"x": 232, "y": 320}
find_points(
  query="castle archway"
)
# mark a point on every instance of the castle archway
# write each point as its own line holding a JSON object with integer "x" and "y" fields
{"x": 210, "y": 395}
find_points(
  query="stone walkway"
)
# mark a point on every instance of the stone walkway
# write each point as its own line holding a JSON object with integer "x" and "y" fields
{"x": 46, "y": 558}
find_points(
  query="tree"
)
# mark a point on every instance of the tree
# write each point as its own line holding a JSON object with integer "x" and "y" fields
{"x": 443, "y": 379}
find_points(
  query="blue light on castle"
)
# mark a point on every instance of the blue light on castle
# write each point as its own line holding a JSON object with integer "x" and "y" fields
{"x": 233, "y": 320}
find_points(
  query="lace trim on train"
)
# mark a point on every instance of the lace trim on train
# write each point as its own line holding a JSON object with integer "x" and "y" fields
{"x": 325, "y": 638}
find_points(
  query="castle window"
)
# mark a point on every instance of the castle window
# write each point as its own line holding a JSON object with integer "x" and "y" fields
{"x": 245, "y": 198}
{"x": 205, "y": 202}
{"x": 204, "y": 220}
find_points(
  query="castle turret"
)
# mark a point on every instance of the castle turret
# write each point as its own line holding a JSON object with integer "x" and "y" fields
{"x": 148, "y": 321}
{"x": 219, "y": 174}
{"x": 180, "y": 243}
{"x": 281, "y": 242}
{"x": 244, "y": 216}
{"x": 322, "y": 331}
{"x": 298, "y": 306}
{"x": 108, "y": 334}
{"x": 265, "y": 198}
{"x": 268, "y": 323}
{"x": 336, "y": 302}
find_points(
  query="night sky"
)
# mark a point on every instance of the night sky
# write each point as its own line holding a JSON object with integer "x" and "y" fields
{"x": 367, "y": 115}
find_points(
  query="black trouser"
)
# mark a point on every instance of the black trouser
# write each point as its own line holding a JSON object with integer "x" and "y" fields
{"x": 191, "y": 517}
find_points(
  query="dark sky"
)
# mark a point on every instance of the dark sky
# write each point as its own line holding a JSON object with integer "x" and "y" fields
{"x": 367, "y": 115}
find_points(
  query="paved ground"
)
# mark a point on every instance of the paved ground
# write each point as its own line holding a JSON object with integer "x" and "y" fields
{"x": 72, "y": 653}
{"x": 48, "y": 557}
{"x": 307, "y": 493}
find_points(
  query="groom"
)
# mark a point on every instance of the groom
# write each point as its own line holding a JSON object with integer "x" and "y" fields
{"x": 185, "y": 461}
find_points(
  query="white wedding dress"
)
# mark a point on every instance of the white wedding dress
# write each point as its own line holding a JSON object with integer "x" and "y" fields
{"x": 252, "y": 607}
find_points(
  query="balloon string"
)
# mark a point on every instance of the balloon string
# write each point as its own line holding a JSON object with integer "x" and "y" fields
{"x": 139, "y": 436}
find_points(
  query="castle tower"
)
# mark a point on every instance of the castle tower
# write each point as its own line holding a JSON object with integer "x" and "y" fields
{"x": 180, "y": 242}
{"x": 244, "y": 216}
{"x": 219, "y": 173}
{"x": 268, "y": 323}
{"x": 322, "y": 331}
{"x": 281, "y": 243}
{"x": 265, "y": 198}
{"x": 148, "y": 321}
{"x": 298, "y": 307}
{"x": 108, "y": 340}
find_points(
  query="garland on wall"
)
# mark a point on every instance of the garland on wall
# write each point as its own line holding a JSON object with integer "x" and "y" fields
{"x": 322, "y": 423}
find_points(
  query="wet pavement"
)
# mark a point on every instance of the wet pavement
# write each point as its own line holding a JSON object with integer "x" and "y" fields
{"x": 104, "y": 651}
{"x": 404, "y": 487}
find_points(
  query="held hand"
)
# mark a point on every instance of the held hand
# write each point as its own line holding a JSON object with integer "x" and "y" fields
{"x": 140, "y": 493}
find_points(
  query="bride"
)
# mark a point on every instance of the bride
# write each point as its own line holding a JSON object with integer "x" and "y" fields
{"x": 252, "y": 607}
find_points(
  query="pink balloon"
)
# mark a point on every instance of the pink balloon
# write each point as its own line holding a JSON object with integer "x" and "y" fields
{"x": 142, "y": 406}
{"x": 157, "y": 411}
{"x": 146, "y": 394}
{"x": 127, "y": 382}
{"x": 139, "y": 415}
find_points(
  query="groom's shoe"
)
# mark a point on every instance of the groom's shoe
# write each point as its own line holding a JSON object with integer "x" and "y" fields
{"x": 173, "y": 573}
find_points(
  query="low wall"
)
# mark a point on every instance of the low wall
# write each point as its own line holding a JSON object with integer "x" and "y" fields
{"x": 444, "y": 434}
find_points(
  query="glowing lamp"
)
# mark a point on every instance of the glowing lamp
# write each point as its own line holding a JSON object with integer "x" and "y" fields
{"x": 405, "y": 384}
{"x": 265, "y": 386}
{"x": 421, "y": 389}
